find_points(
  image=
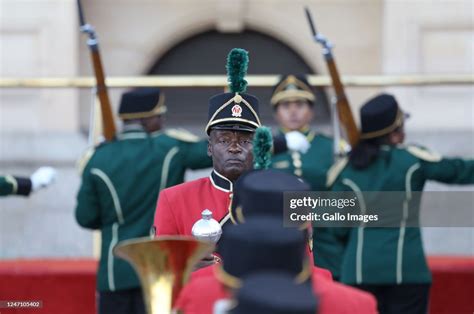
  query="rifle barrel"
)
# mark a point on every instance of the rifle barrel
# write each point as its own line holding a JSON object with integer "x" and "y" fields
{"x": 82, "y": 20}
{"x": 310, "y": 21}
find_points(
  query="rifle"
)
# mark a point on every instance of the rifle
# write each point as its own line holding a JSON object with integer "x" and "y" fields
{"x": 101, "y": 89}
{"x": 342, "y": 104}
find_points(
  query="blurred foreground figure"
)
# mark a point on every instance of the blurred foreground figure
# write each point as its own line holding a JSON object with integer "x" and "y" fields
{"x": 274, "y": 293}
{"x": 13, "y": 185}
{"x": 120, "y": 184}
{"x": 260, "y": 243}
{"x": 389, "y": 262}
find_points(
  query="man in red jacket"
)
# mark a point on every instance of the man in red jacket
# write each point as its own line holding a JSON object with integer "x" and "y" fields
{"x": 232, "y": 120}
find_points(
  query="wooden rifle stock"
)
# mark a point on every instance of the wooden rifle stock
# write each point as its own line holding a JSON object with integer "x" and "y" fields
{"x": 344, "y": 109}
{"x": 102, "y": 93}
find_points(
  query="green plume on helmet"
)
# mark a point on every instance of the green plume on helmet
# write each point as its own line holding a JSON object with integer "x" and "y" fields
{"x": 262, "y": 146}
{"x": 237, "y": 64}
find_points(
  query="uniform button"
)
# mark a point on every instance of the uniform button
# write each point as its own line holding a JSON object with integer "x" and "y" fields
{"x": 297, "y": 163}
{"x": 295, "y": 155}
{"x": 298, "y": 172}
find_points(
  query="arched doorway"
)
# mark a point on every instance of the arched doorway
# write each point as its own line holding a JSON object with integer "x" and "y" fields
{"x": 206, "y": 53}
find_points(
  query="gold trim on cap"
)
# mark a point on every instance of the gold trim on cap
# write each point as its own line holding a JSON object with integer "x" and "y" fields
{"x": 305, "y": 273}
{"x": 159, "y": 109}
{"x": 281, "y": 93}
{"x": 231, "y": 101}
{"x": 291, "y": 95}
{"x": 236, "y": 283}
{"x": 226, "y": 278}
{"x": 398, "y": 122}
{"x": 240, "y": 214}
{"x": 231, "y": 119}
{"x": 291, "y": 79}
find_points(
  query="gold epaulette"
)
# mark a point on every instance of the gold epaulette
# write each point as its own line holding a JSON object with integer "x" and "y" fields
{"x": 423, "y": 154}
{"x": 335, "y": 170}
{"x": 182, "y": 135}
{"x": 83, "y": 160}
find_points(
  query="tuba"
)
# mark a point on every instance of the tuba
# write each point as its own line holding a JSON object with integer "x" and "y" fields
{"x": 163, "y": 265}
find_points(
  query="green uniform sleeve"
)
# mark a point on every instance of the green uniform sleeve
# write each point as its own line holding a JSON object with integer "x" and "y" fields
{"x": 14, "y": 185}
{"x": 449, "y": 170}
{"x": 446, "y": 170}
{"x": 195, "y": 155}
{"x": 6, "y": 186}
{"x": 88, "y": 206}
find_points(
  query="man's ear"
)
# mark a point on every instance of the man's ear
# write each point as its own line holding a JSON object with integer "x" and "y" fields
{"x": 396, "y": 137}
{"x": 209, "y": 147}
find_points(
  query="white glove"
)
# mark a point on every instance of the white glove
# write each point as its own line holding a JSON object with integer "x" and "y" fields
{"x": 42, "y": 177}
{"x": 296, "y": 141}
{"x": 223, "y": 306}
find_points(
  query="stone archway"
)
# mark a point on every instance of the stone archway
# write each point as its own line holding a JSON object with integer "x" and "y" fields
{"x": 206, "y": 53}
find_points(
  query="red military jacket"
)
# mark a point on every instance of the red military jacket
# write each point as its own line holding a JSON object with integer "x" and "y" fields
{"x": 180, "y": 206}
{"x": 204, "y": 290}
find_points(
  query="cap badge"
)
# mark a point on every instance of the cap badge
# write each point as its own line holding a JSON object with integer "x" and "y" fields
{"x": 291, "y": 79}
{"x": 236, "y": 111}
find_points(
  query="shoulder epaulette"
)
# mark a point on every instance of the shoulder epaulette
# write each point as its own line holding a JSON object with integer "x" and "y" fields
{"x": 83, "y": 160}
{"x": 335, "y": 170}
{"x": 423, "y": 153}
{"x": 182, "y": 135}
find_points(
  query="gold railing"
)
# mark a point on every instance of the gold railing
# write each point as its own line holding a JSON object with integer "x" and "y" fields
{"x": 220, "y": 81}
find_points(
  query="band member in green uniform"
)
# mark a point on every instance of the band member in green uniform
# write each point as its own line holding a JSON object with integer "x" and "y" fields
{"x": 293, "y": 103}
{"x": 120, "y": 185}
{"x": 390, "y": 262}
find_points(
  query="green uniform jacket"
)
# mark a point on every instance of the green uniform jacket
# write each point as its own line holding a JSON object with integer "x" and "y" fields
{"x": 10, "y": 185}
{"x": 391, "y": 255}
{"x": 311, "y": 166}
{"x": 119, "y": 191}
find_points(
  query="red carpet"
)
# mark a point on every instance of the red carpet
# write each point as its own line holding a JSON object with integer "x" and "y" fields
{"x": 64, "y": 286}
{"x": 452, "y": 291}
{"x": 68, "y": 286}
